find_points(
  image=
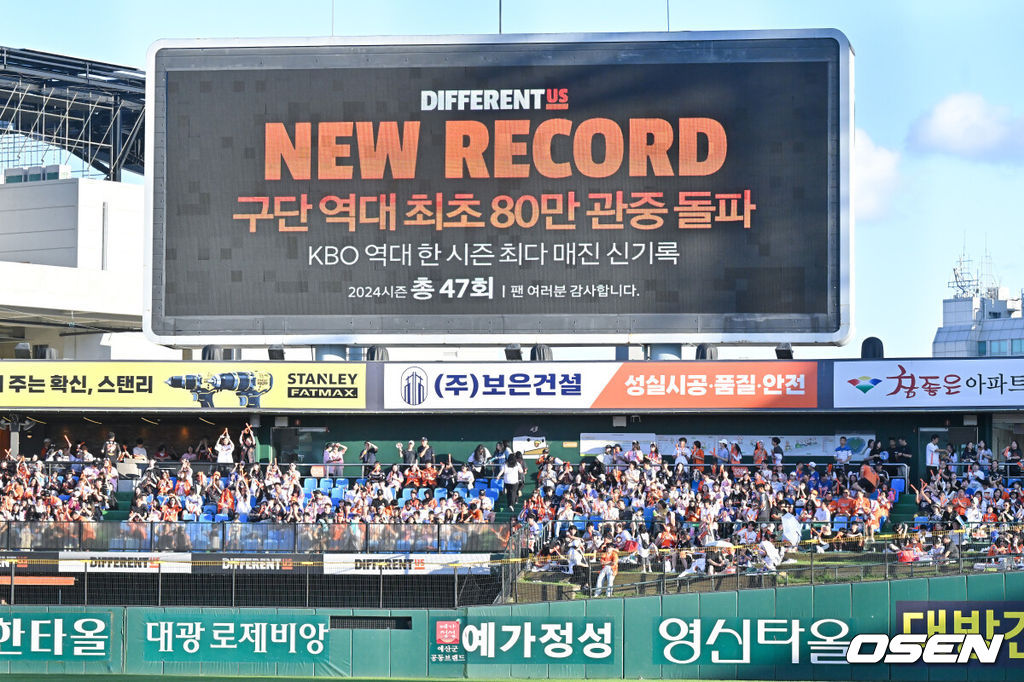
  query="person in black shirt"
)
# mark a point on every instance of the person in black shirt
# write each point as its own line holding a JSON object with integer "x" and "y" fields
{"x": 424, "y": 452}
{"x": 446, "y": 476}
{"x": 376, "y": 476}
{"x": 949, "y": 552}
{"x": 408, "y": 453}
{"x": 368, "y": 455}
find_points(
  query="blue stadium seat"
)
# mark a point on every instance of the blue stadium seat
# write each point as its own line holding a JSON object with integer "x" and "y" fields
{"x": 309, "y": 484}
{"x": 440, "y": 493}
{"x": 220, "y": 518}
{"x": 209, "y": 509}
{"x": 244, "y": 518}
{"x": 360, "y": 481}
{"x": 206, "y": 518}
{"x": 840, "y": 522}
{"x": 493, "y": 494}
{"x": 188, "y": 517}
{"x": 899, "y": 485}
{"x": 337, "y": 493}
{"x": 326, "y": 483}
{"x": 341, "y": 483}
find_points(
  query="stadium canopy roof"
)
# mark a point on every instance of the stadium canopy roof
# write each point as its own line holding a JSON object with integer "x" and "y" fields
{"x": 91, "y": 109}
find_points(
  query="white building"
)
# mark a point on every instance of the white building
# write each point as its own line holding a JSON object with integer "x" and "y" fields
{"x": 71, "y": 267}
{"x": 980, "y": 320}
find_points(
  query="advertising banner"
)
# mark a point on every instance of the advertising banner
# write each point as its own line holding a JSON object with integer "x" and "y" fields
{"x": 243, "y": 637}
{"x": 38, "y": 636}
{"x": 985, "y": 618}
{"x": 601, "y": 385}
{"x": 621, "y": 185}
{"x": 406, "y": 564}
{"x": 952, "y": 635}
{"x": 256, "y": 563}
{"x": 802, "y": 447}
{"x": 182, "y": 385}
{"x": 929, "y": 383}
{"x": 124, "y": 562}
{"x": 524, "y": 640}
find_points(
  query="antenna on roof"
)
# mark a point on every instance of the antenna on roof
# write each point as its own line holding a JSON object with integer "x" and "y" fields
{"x": 964, "y": 283}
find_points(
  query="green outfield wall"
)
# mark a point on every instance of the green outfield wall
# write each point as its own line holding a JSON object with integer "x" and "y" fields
{"x": 785, "y": 633}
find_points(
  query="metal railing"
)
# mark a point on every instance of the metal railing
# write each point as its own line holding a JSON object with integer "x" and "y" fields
{"x": 305, "y": 469}
{"x": 295, "y": 538}
{"x": 812, "y": 570}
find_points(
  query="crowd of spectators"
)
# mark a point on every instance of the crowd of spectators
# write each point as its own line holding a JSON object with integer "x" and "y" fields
{"x": 704, "y": 507}
{"x": 68, "y": 482}
{"x": 712, "y": 510}
{"x": 30, "y": 491}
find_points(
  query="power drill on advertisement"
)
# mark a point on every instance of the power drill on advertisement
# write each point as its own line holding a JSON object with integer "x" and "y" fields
{"x": 201, "y": 387}
{"x": 248, "y": 386}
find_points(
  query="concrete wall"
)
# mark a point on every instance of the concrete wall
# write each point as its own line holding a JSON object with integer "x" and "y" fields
{"x": 73, "y": 223}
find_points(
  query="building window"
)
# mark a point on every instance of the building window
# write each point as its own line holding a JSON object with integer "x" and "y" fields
{"x": 981, "y": 348}
{"x": 1018, "y": 347}
{"x": 998, "y": 347}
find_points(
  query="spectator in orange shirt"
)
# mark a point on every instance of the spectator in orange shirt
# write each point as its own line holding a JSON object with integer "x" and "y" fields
{"x": 609, "y": 558}
{"x": 736, "y": 459}
{"x": 845, "y": 504}
{"x": 697, "y": 459}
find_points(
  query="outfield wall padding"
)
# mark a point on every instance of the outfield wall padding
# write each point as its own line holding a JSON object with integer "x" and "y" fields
{"x": 407, "y": 653}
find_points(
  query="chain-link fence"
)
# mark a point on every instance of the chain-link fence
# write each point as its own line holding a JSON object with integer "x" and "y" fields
{"x": 282, "y": 581}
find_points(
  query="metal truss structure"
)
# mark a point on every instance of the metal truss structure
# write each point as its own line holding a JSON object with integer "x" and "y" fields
{"x": 55, "y": 104}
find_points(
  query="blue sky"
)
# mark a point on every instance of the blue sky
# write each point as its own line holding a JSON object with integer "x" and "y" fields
{"x": 939, "y": 107}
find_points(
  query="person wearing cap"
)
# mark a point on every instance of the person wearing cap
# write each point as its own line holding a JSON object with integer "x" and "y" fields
{"x": 334, "y": 457}
{"x": 722, "y": 453}
{"x": 424, "y": 453}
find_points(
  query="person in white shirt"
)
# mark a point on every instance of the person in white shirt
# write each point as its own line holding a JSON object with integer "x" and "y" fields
{"x": 984, "y": 454}
{"x": 843, "y": 454}
{"x": 931, "y": 457}
{"x": 225, "y": 449}
{"x": 771, "y": 556}
{"x": 512, "y": 474}
{"x": 683, "y": 454}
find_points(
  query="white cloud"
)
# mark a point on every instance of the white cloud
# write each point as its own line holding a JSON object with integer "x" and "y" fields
{"x": 969, "y": 126}
{"x": 875, "y": 176}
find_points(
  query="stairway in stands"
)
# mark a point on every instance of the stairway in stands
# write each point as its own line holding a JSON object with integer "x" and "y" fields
{"x": 124, "y": 502}
{"x": 903, "y": 511}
